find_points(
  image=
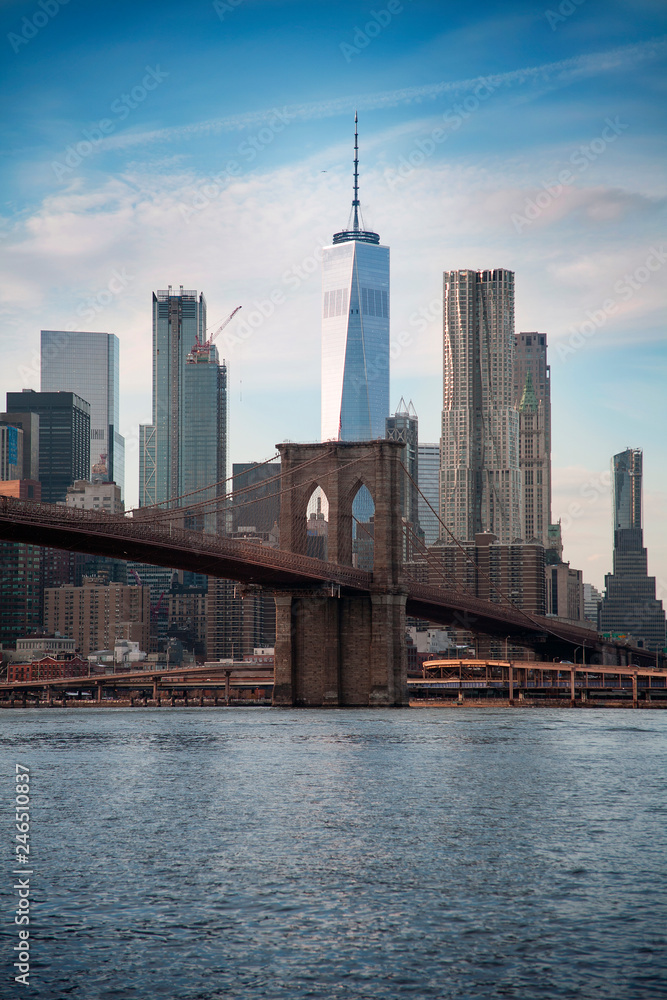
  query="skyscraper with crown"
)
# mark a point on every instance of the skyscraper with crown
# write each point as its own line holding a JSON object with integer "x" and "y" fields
{"x": 355, "y": 329}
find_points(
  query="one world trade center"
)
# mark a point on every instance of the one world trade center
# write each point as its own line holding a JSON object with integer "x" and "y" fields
{"x": 355, "y": 330}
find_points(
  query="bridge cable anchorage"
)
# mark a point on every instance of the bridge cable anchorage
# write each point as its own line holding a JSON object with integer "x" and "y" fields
{"x": 530, "y": 618}
{"x": 220, "y": 503}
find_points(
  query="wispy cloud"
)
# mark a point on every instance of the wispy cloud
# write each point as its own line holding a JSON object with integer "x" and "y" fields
{"x": 549, "y": 74}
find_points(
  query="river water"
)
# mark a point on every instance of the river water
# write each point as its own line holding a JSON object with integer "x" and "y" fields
{"x": 194, "y": 854}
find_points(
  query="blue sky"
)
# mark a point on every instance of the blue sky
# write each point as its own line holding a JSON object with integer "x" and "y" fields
{"x": 209, "y": 145}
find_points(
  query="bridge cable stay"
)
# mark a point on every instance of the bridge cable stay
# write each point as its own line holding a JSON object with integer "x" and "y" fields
{"x": 220, "y": 501}
{"x": 223, "y": 502}
{"x": 468, "y": 558}
{"x": 210, "y": 486}
{"x": 459, "y": 589}
{"x": 171, "y": 513}
{"x": 433, "y": 564}
{"x": 450, "y": 581}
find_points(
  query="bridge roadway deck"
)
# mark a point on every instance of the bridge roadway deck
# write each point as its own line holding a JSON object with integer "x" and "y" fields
{"x": 121, "y": 537}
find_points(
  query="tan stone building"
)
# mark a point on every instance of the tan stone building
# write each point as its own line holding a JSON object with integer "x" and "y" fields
{"x": 95, "y": 496}
{"x": 532, "y": 397}
{"x": 97, "y": 614}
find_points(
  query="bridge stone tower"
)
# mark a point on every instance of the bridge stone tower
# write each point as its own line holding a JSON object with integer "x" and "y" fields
{"x": 335, "y": 648}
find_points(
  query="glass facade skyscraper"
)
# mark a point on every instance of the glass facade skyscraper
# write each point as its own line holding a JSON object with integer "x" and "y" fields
{"x": 355, "y": 332}
{"x": 184, "y": 451}
{"x": 630, "y": 606}
{"x": 64, "y": 438}
{"x": 627, "y": 498}
{"x": 203, "y": 460}
{"x": 88, "y": 364}
{"x": 429, "y": 484}
{"x": 179, "y": 321}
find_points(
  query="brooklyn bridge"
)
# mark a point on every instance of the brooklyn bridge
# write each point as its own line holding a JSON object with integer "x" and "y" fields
{"x": 340, "y": 630}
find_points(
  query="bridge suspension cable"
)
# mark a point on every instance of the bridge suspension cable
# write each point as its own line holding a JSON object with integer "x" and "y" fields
{"x": 530, "y": 618}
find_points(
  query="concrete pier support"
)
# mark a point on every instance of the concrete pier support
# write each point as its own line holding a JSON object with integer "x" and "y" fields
{"x": 334, "y": 651}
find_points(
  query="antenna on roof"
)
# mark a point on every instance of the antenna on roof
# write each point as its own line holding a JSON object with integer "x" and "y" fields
{"x": 355, "y": 202}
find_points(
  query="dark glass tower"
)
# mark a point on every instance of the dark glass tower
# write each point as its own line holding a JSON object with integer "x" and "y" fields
{"x": 88, "y": 364}
{"x": 64, "y": 437}
{"x": 630, "y": 606}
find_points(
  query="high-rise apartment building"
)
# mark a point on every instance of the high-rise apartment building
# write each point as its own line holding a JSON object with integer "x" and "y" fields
{"x": 64, "y": 437}
{"x": 532, "y": 397}
{"x": 429, "y": 485}
{"x": 179, "y": 322}
{"x": 20, "y": 609}
{"x": 88, "y": 364}
{"x": 630, "y": 605}
{"x": 97, "y": 614}
{"x": 355, "y": 330}
{"x": 480, "y": 481}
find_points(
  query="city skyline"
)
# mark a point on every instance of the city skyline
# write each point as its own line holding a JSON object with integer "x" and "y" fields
{"x": 86, "y": 241}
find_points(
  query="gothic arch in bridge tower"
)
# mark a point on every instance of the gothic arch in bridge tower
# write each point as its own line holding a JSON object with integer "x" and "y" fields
{"x": 344, "y": 648}
{"x": 356, "y": 520}
{"x": 340, "y": 468}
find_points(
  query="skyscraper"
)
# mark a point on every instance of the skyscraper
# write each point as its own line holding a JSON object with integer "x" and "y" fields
{"x": 355, "y": 330}
{"x": 203, "y": 452}
{"x": 179, "y": 322}
{"x": 88, "y": 364}
{"x": 429, "y": 485}
{"x": 404, "y": 426}
{"x": 480, "y": 482}
{"x": 532, "y": 397}
{"x": 627, "y": 497}
{"x": 629, "y": 605}
{"x": 64, "y": 437}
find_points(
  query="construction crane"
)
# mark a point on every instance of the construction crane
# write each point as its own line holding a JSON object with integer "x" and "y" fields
{"x": 199, "y": 347}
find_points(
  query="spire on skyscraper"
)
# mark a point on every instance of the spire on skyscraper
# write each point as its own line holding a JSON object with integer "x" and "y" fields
{"x": 356, "y": 233}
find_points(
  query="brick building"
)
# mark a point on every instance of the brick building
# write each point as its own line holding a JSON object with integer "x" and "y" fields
{"x": 98, "y": 613}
